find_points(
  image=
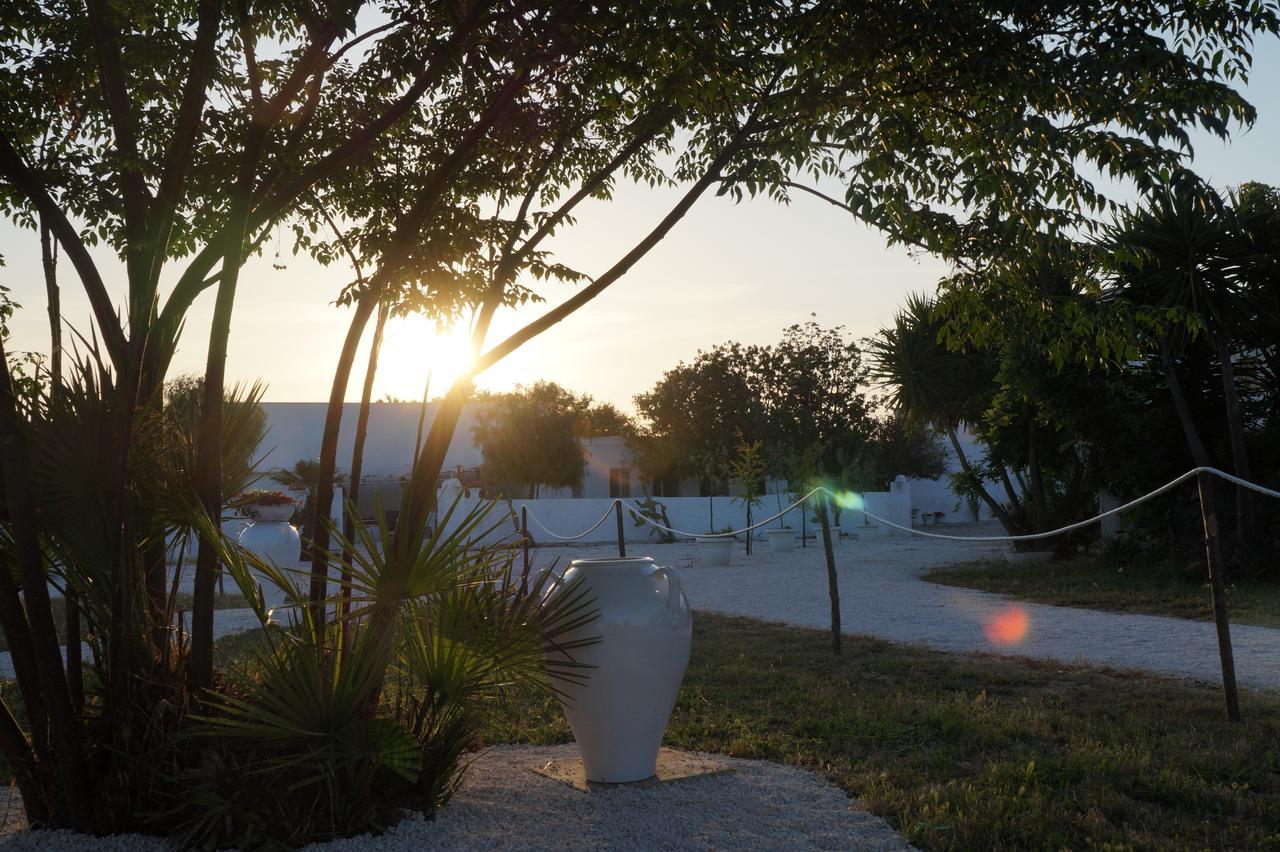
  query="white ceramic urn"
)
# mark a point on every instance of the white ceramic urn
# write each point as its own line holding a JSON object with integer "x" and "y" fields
{"x": 645, "y": 629}
{"x": 273, "y": 539}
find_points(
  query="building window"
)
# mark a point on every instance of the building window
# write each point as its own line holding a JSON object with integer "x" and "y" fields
{"x": 619, "y": 482}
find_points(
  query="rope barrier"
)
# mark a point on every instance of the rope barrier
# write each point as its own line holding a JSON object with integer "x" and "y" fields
{"x": 1081, "y": 524}
{"x": 1244, "y": 483}
{"x": 754, "y": 526}
{"x": 587, "y": 532}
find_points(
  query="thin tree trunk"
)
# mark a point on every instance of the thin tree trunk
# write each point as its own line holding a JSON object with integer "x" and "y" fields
{"x": 23, "y": 766}
{"x": 357, "y": 459}
{"x": 48, "y": 656}
{"x": 53, "y": 294}
{"x": 209, "y": 440}
{"x": 833, "y": 584}
{"x": 996, "y": 509}
{"x": 1038, "y": 501}
{"x": 1192, "y": 434}
{"x": 318, "y": 546}
{"x": 13, "y": 618}
{"x": 1245, "y": 512}
{"x": 49, "y": 262}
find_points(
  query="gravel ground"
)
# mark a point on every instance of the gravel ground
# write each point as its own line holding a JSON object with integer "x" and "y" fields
{"x": 504, "y": 804}
{"x": 882, "y": 595}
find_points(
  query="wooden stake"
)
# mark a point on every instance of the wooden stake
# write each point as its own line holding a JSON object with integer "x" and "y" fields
{"x": 622, "y": 541}
{"x": 833, "y": 586}
{"x": 1218, "y": 592}
{"x": 524, "y": 545}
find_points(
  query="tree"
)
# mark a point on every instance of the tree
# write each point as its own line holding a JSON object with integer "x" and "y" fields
{"x": 812, "y": 383}
{"x": 531, "y": 437}
{"x": 1191, "y": 258}
{"x": 899, "y": 445}
{"x": 697, "y": 414}
{"x": 177, "y": 137}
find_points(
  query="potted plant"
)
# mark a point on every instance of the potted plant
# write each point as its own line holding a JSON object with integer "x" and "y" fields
{"x": 715, "y": 548}
{"x": 265, "y": 506}
{"x": 781, "y": 539}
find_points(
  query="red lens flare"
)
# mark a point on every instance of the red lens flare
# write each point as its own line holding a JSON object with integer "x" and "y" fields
{"x": 1007, "y": 627}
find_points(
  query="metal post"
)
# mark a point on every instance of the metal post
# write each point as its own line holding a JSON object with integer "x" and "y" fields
{"x": 833, "y": 588}
{"x": 622, "y": 541}
{"x": 1218, "y": 593}
{"x": 524, "y": 545}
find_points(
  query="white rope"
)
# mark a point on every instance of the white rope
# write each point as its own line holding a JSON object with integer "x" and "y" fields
{"x": 1244, "y": 483}
{"x": 1079, "y": 525}
{"x": 757, "y": 525}
{"x": 594, "y": 527}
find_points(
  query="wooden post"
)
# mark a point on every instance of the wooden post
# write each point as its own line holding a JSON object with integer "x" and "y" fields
{"x": 524, "y": 545}
{"x": 1218, "y": 593}
{"x": 622, "y": 542}
{"x": 804, "y": 530}
{"x": 833, "y": 586}
{"x": 750, "y": 532}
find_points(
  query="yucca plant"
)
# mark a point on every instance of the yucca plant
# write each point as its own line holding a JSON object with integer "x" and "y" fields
{"x": 331, "y": 726}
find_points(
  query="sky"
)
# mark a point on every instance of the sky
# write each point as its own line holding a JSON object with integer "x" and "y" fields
{"x": 727, "y": 272}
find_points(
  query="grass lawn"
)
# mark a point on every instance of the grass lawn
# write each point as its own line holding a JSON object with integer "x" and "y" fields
{"x": 971, "y": 752}
{"x": 1097, "y": 584}
{"x": 59, "y": 607}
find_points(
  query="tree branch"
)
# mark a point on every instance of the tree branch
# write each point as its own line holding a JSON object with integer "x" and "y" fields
{"x": 186, "y": 128}
{"x": 29, "y": 184}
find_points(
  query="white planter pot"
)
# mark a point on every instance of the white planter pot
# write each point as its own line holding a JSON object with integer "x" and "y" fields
{"x": 645, "y": 629}
{"x": 781, "y": 541}
{"x": 715, "y": 552}
{"x": 272, "y": 541}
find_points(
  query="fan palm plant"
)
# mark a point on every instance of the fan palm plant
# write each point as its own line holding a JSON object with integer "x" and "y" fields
{"x": 932, "y": 383}
{"x": 309, "y": 738}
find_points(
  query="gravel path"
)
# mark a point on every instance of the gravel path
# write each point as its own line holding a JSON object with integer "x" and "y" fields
{"x": 882, "y": 595}
{"x": 504, "y": 804}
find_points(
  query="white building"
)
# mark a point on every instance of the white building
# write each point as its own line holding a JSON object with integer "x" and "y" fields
{"x": 295, "y": 429}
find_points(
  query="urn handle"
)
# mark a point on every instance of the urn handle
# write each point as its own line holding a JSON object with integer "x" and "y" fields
{"x": 673, "y": 590}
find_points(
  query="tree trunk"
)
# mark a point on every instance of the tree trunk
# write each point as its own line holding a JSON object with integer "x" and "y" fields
{"x": 1192, "y": 434}
{"x": 1245, "y": 512}
{"x": 48, "y": 656}
{"x": 49, "y": 263}
{"x": 209, "y": 437}
{"x": 357, "y": 460}
{"x": 1038, "y": 501}
{"x": 13, "y": 618}
{"x": 996, "y": 509}
{"x": 23, "y": 765}
{"x": 318, "y": 546}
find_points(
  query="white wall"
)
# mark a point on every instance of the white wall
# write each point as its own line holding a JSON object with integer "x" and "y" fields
{"x": 295, "y": 429}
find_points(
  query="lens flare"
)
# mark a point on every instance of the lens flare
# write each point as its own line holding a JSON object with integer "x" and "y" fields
{"x": 1007, "y": 627}
{"x": 849, "y": 500}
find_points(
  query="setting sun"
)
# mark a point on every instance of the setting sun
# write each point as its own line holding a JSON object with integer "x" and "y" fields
{"x": 413, "y": 346}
